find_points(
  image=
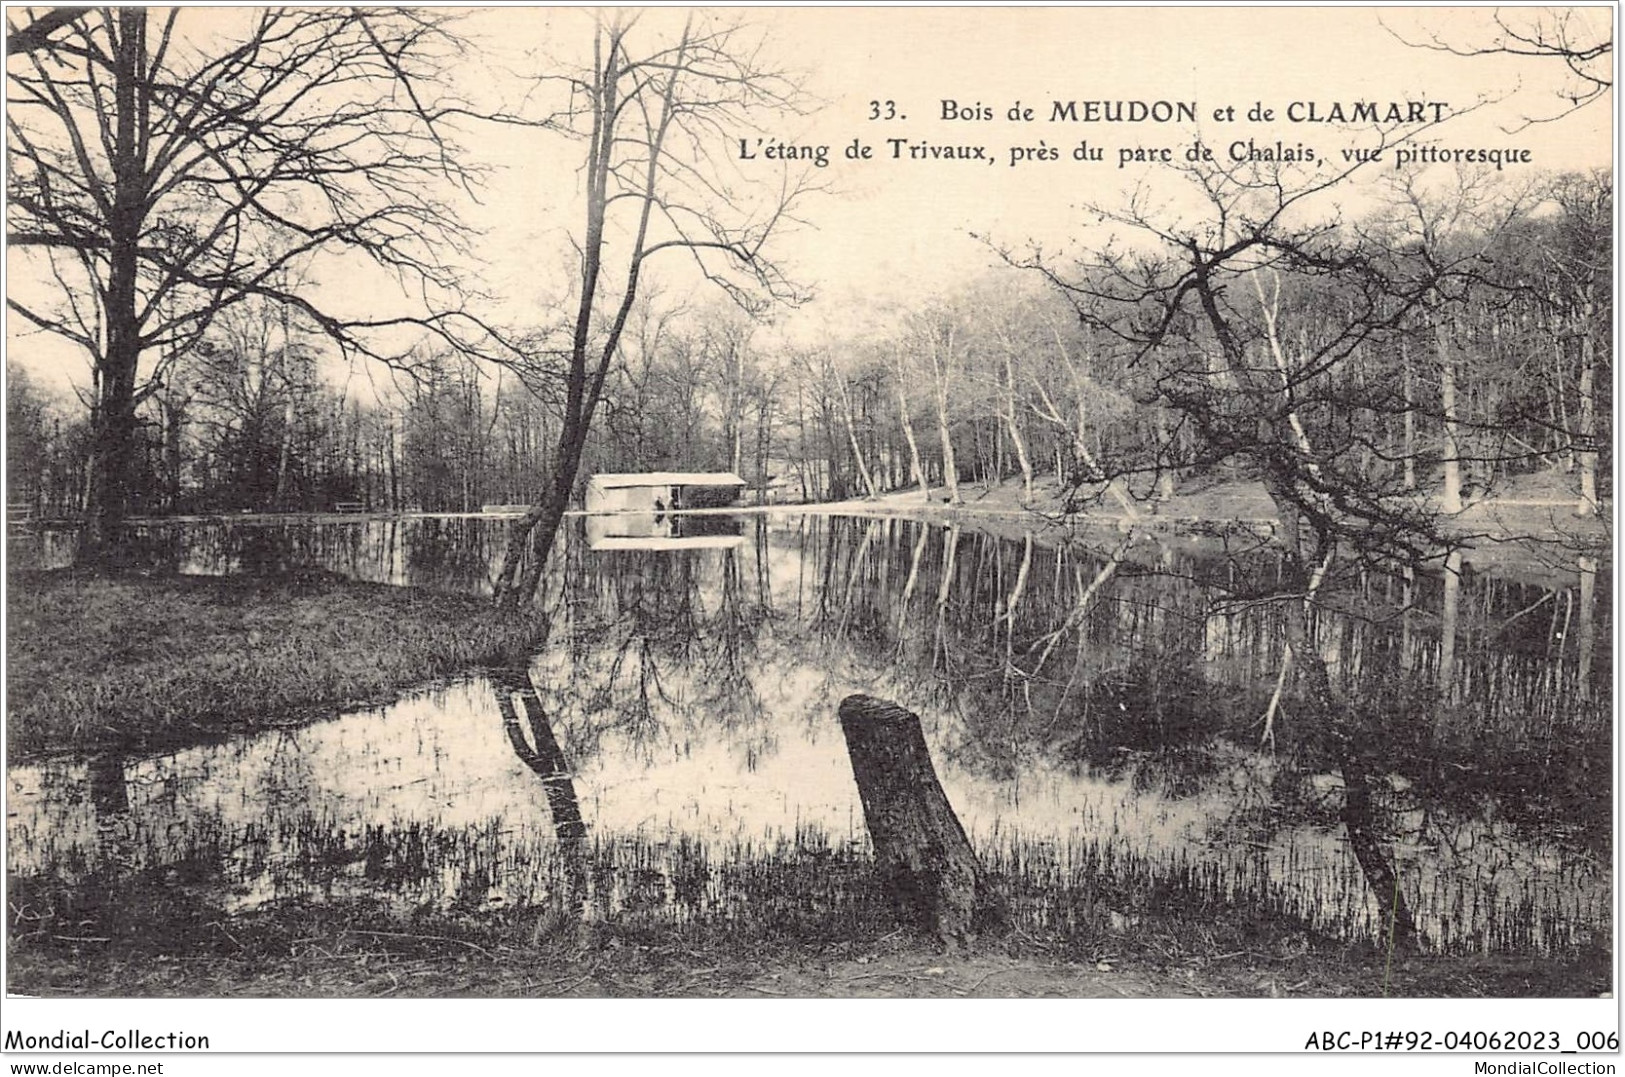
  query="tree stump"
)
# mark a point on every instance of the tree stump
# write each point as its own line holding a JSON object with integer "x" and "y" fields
{"x": 924, "y": 860}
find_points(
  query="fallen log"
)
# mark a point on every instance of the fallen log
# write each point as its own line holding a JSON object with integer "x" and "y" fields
{"x": 925, "y": 862}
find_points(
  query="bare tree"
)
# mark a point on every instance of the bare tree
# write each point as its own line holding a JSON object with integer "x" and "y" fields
{"x": 1441, "y": 239}
{"x": 1250, "y": 314}
{"x": 842, "y": 371}
{"x": 938, "y": 333}
{"x": 652, "y": 115}
{"x": 1068, "y": 364}
{"x": 1578, "y": 265}
{"x": 1006, "y": 319}
{"x": 164, "y": 166}
{"x": 35, "y": 33}
{"x": 1578, "y": 38}
{"x": 726, "y": 345}
{"x": 250, "y": 382}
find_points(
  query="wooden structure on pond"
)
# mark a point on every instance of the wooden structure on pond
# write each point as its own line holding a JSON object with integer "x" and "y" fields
{"x": 662, "y": 491}
{"x": 924, "y": 859}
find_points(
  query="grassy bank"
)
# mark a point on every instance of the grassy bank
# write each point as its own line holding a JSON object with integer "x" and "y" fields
{"x": 147, "y": 663}
{"x": 327, "y": 950}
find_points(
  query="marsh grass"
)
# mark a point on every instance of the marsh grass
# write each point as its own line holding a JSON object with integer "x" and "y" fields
{"x": 646, "y": 916}
{"x": 144, "y": 663}
{"x": 490, "y": 880}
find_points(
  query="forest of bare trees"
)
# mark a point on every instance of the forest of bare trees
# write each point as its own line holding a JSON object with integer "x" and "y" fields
{"x": 1485, "y": 355}
{"x": 1452, "y": 333}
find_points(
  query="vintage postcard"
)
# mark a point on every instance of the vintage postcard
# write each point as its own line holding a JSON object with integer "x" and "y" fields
{"x": 548, "y": 506}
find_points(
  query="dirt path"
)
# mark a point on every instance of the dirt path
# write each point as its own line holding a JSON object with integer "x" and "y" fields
{"x": 919, "y": 976}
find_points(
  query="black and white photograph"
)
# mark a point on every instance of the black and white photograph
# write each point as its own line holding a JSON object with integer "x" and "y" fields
{"x": 576, "y": 509}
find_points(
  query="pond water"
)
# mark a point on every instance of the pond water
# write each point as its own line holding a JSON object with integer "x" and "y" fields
{"x": 1096, "y": 710}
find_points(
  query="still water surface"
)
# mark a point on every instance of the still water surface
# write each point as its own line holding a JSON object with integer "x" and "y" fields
{"x": 1096, "y": 711}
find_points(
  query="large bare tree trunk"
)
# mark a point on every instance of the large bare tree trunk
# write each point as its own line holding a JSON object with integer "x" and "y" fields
{"x": 924, "y": 859}
{"x": 1165, "y": 468}
{"x": 1010, "y": 423}
{"x": 764, "y": 439}
{"x": 582, "y": 386}
{"x": 1587, "y": 456}
{"x": 916, "y": 471}
{"x": 1588, "y": 626}
{"x": 852, "y": 435}
{"x": 1022, "y": 458}
{"x": 279, "y": 495}
{"x": 1450, "y": 492}
{"x": 1410, "y": 418}
{"x": 939, "y": 387}
{"x": 285, "y": 448}
{"x": 950, "y": 468}
{"x": 736, "y": 422}
{"x": 1358, "y": 815}
{"x": 1450, "y": 616}
{"x": 107, "y": 498}
{"x": 518, "y": 579}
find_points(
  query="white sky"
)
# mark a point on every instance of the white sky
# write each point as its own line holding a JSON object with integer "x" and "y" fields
{"x": 891, "y": 229}
{"x": 891, "y": 232}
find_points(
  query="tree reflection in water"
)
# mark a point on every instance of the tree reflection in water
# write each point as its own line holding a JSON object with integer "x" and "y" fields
{"x": 1136, "y": 659}
{"x": 516, "y": 694}
{"x": 1043, "y": 662}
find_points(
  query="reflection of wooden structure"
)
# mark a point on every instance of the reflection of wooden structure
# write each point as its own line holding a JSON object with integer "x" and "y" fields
{"x": 925, "y": 861}
{"x": 662, "y": 491}
{"x": 665, "y": 531}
